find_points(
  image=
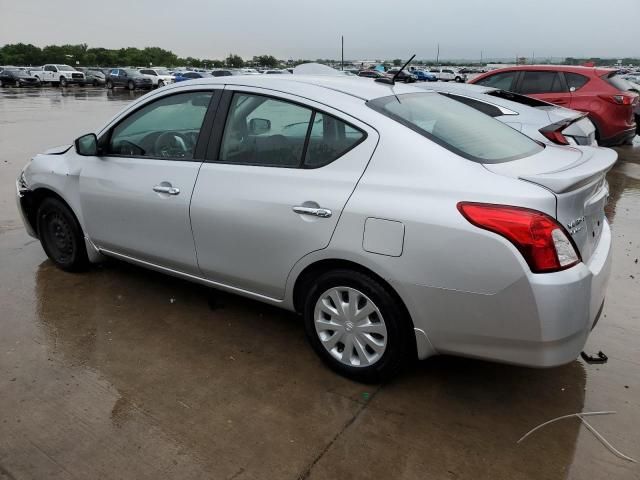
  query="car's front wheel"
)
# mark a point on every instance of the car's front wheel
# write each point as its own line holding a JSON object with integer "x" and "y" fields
{"x": 160, "y": 83}
{"x": 131, "y": 85}
{"x": 109, "y": 84}
{"x": 61, "y": 235}
{"x": 357, "y": 326}
{"x": 63, "y": 82}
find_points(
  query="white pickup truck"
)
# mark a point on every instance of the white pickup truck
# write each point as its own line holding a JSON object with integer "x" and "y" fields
{"x": 448, "y": 74}
{"x": 59, "y": 74}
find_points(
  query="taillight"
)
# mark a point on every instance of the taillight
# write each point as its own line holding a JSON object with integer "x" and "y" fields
{"x": 555, "y": 135}
{"x": 620, "y": 99}
{"x": 542, "y": 241}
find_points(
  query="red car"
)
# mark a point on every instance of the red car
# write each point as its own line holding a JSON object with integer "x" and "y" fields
{"x": 601, "y": 93}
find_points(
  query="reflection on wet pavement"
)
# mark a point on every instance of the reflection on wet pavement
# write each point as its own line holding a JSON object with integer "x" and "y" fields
{"x": 126, "y": 373}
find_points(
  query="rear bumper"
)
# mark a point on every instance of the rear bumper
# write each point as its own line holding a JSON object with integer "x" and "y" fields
{"x": 541, "y": 320}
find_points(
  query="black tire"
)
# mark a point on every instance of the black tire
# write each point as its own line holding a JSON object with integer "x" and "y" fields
{"x": 61, "y": 236}
{"x": 63, "y": 82}
{"x": 95, "y": 83}
{"x": 131, "y": 85}
{"x": 109, "y": 84}
{"x": 18, "y": 84}
{"x": 400, "y": 349}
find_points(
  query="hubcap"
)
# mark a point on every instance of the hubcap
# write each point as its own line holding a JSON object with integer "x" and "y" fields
{"x": 350, "y": 327}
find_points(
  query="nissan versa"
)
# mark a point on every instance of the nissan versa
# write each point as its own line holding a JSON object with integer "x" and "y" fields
{"x": 398, "y": 222}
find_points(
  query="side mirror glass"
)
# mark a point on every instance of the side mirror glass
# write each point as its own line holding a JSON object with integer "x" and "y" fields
{"x": 87, "y": 145}
{"x": 258, "y": 126}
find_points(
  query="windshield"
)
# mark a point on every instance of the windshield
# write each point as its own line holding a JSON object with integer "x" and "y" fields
{"x": 66, "y": 68}
{"x": 162, "y": 72}
{"x": 132, "y": 73}
{"x": 457, "y": 127}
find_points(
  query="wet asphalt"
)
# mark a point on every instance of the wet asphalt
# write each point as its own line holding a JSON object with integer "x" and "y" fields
{"x": 129, "y": 374}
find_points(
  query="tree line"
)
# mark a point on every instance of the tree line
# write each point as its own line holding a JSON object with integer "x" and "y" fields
{"x": 31, "y": 55}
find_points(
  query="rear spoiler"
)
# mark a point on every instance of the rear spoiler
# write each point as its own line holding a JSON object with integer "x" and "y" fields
{"x": 591, "y": 165}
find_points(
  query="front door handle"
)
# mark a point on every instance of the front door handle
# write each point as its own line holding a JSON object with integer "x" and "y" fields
{"x": 315, "y": 211}
{"x": 168, "y": 189}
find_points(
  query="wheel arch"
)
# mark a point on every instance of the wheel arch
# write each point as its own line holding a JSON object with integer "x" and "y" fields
{"x": 423, "y": 347}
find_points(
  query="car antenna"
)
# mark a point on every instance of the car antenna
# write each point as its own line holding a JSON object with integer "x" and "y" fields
{"x": 392, "y": 81}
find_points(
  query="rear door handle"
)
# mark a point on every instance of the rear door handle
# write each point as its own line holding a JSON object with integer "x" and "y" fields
{"x": 316, "y": 212}
{"x": 166, "y": 189}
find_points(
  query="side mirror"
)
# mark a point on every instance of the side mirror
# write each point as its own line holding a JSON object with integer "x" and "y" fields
{"x": 258, "y": 126}
{"x": 87, "y": 145}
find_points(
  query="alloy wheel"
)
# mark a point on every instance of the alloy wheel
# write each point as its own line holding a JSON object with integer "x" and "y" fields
{"x": 350, "y": 327}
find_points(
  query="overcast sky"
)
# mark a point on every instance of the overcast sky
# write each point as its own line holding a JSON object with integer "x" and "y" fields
{"x": 312, "y": 29}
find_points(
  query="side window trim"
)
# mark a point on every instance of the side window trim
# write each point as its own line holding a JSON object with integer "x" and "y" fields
{"x": 203, "y": 138}
{"x": 215, "y": 142}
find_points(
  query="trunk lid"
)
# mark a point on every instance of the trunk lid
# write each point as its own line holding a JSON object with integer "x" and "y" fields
{"x": 576, "y": 176}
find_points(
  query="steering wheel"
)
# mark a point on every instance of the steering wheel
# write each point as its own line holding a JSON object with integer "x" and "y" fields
{"x": 171, "y": 144}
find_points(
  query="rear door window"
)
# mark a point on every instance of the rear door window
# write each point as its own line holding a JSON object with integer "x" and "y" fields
{"x": 540, "y": 82}
{"x": 502, "y": 81}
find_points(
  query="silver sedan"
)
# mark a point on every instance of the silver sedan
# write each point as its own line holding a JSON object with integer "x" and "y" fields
{"x": 399, "y": 223}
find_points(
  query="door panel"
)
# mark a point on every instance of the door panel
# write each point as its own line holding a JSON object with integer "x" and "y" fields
{"x": 124, "y": 214}
{"x": 246, "y": 231}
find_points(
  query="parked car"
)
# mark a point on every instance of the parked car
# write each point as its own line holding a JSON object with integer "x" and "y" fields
{"x": 159, "y": 76}
{"x": 371, "y": 74}
{"x": 399, "y": 223}
{"x": 539, "y": 120}
{"x": 129, "y": 78}
{"x": 598, "y": 91}
{"x": 93, "y": 76}
{"x": 403, "y": 76}
{"x": 222, "y": 72}
{"x": 182, "y": 76}
{"x": 424, "y": 76}
{"x": 17, "y": 78}
{"x": 635, "y": 87}
{"x": 276, "y": 71}
{"x": 446, "y": 74}
{"x": 59, "y": 74}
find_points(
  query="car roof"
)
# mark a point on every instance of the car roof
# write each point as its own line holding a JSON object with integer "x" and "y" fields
{"x": 458, "y": 87}
{"x": 556, "y": 68}
{"x": 359, "y": 87}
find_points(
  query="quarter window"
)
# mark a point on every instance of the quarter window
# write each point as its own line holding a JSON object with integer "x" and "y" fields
{"x": 330, "y": 139}
{"x": 483, "y": 107}
{"x": 167, "y": 128}
{"x": 541, "y": 82}
{"x": 575, "y": 80}
{"x": 502, "y": 81}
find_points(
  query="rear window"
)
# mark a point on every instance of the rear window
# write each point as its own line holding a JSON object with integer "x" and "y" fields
{"x": 617, "y": 81}
{"x": 457, "y": 127}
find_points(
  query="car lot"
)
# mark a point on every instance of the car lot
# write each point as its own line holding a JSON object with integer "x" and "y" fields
{"x": 124, "y": 373}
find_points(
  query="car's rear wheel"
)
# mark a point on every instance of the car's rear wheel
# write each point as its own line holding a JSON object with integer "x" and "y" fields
{"x": 61, "y": 235}
{"x": 95, "y": 83}
{"x": 18, "y": 83}
{"x": 131, "y": 85}
{"x": 357, "y": 326}
{"x": 109, "y": 84}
